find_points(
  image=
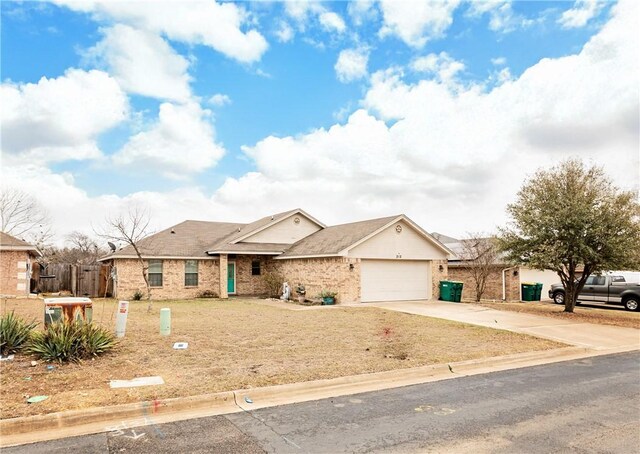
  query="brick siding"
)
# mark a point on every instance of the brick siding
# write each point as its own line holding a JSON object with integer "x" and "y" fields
{"x": 493, "y": 288}
{"x": 318, "y": 274}
{"x": 130, "y": 279}
{"x": 14, "y": 279}
{"x": 438, "y": 276}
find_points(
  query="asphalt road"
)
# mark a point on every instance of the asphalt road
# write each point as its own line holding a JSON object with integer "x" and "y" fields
{"x": 584, "y": 406}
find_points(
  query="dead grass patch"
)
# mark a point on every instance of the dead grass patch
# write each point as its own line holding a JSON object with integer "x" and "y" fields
{"x": 609, "y": 315}
{"x": 237, "y": 344}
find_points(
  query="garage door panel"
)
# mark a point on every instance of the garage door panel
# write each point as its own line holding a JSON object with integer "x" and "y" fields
{"x": 394, "y": 280}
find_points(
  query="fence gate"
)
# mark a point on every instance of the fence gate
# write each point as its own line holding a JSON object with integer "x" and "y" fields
{"x": 81, "y": 280}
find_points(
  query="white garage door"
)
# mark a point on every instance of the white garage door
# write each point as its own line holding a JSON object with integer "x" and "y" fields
{"x": 395, "y": 280}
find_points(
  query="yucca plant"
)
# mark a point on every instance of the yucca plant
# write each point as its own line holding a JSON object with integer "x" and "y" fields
{"x": 70, "y": 341}
{"x": 96, "y": 340}
{"x": 14, "y": 333}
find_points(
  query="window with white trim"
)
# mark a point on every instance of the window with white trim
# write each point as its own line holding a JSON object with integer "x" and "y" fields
{"x": 191, "y": 273}
{"x": 155, "y": 273}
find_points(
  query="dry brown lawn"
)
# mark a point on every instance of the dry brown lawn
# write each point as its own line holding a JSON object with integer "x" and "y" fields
{"x": 238, "y": 344}
{"x": 605, "y": 315}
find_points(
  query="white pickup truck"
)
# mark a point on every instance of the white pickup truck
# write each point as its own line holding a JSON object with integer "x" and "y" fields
{"x": 603, "y": 289}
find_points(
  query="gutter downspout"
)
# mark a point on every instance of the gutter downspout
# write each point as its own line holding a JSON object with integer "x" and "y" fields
{"x": 504, "y": 283}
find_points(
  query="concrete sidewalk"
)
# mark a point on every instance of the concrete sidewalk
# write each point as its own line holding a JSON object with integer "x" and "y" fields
{"x": 588, "y": 335}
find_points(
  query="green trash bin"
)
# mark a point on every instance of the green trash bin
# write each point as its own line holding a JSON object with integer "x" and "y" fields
{"x": 528, "y": 291}
{"x": 446, "y": 288}
{"x": 456, "y": 292}
{"x": 538, "y": 295}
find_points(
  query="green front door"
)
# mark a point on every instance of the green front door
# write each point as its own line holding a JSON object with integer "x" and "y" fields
{"x": 231, "y": 278}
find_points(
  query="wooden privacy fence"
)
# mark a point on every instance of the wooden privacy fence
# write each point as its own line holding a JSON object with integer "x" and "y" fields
{"x": 80, "y": 280}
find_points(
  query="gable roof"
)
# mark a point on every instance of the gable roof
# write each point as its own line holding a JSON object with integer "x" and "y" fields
{"x": 202, "y": 239}
{"x": 11, "y": 243}
{"x": 267, "y": 221}
{"x": 332, "y": 240}
{"x": 189, "y": 239}
{"x": 336, "y": 240}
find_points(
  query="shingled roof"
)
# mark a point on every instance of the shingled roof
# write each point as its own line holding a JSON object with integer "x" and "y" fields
{"x": 11, "y": 243}
{"x": 187, "y": 239}
{"x": 334, "y": 239}
{"x": 202, "y": 239}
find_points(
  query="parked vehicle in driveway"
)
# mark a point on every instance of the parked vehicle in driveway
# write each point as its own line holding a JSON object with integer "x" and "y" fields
{"x": 603, "y": 289}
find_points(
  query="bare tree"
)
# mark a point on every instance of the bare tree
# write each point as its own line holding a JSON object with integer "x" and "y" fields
{"x": 22, "y": 216}
{"x": 130, "y": 229}
{"x": 80, "y": 249}
{"x": 480, "y": 254}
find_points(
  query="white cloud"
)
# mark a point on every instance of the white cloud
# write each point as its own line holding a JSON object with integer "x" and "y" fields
{"x": 217, "y": 25}
{"x": 352, "y": 64}
{"x": 415, "y": 23}
{"x": 304, "y": 11}
{"x": 143, "y": 63}
{"x": 219, "y": 100}
{"x": 361, "y": 11}
{"x": 441, "y": 65}
{"x": 450, "y": 159}
{"x": 501, "y": 16}
{"x": 331, "y": 22}
{"x": 580, "y": 14}
{"x": 181, "y": 143}
{"x": 284, "y": 33}
{"x": 499, "y": 61}
{"x": 59, "y": 119}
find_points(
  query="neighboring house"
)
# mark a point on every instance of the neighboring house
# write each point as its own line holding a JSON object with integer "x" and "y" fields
{"x": 17, "y": 258}
{"x": 382, "y": 259}
{"x": 504, "y": 282}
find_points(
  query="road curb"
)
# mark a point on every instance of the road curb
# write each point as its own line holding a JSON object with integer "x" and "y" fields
{"x": 33, "y": 429}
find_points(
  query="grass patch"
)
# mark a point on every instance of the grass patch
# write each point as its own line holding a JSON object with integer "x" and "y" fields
{"x": 604, "y": 315}
{"x": 236, "y": 344}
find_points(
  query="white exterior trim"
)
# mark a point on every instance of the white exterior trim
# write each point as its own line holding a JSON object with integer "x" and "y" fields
{"x": 314, "y": 256}
{"x": 246, "y": 252}
{"x": 155, "y": 257}
{"x": 277, "y": 221}
{"x": 415, "y": 226}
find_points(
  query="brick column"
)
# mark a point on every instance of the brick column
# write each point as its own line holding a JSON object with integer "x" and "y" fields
{"x": 223, "y": 276}
{"x": 437, "y": 276}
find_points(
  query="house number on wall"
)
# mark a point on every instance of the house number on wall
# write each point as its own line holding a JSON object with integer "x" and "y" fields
{"x": 398, "y": 228}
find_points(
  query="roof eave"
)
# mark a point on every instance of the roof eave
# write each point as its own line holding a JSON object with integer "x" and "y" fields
{"x": 276, "y": 221}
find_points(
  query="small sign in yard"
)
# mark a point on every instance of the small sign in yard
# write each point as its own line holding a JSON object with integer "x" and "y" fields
{"x": 181, "y": 345}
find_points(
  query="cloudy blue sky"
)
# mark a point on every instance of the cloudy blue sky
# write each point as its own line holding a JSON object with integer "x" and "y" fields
{"x": 231, "y": 111}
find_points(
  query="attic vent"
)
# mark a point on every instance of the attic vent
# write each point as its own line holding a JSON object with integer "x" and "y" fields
{"x": 296, "y": 221}
{"x": 398, "y": 228}
{"x": 173, "y": 231}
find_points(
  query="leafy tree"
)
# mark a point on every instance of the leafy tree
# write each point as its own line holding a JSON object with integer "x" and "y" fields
{"x": 480, "y": 254}
{"x": 570, "y": 217}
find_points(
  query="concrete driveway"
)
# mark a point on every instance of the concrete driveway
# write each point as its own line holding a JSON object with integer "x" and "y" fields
{"x": 589, "y": 335}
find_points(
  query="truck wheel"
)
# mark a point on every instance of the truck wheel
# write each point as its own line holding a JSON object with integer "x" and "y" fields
{"x": 632, "y": 304}
{"x": 558, "y": 297}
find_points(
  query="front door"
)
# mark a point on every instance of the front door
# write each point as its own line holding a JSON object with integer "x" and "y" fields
{"x": 231, "y": 278}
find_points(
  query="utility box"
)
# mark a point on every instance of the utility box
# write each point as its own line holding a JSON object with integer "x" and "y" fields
{"x": 67, "y": 310}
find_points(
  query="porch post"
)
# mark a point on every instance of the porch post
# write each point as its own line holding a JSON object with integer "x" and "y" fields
{"x": 223, "y": 276}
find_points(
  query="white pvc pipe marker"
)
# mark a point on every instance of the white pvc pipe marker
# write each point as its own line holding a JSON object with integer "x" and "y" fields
{"x": 165, "y": 321}
{"x": 121, "y": 318}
